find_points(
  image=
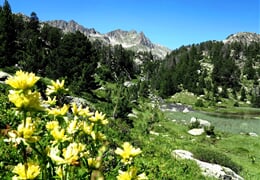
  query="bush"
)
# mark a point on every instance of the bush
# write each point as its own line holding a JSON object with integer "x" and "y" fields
{"x": 195, "y": 124}
{"x": 199, "y": 103}
{"x": 213, "y": 156}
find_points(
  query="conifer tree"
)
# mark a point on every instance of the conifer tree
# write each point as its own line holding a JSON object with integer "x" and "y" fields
{"x": 7, "y": 36}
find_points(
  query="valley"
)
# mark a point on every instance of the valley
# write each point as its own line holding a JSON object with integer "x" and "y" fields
{"x": 79, "y": 104}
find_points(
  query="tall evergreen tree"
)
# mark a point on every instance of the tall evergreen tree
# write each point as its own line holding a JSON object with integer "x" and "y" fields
{"x": 7, "y": 36}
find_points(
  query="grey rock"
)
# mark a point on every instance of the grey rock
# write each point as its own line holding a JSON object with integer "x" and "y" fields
{"x": 202, "y": 123}
{"x": 3, "y": 76}
{"x": 253, "y": 134}
{"x": 128, "y": 39}
{"x": 209, "y": 169}
{"x": 243, "y": 37}
{"x": 196, "y": 131}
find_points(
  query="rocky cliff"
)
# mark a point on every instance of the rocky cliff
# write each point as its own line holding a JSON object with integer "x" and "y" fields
{"x": 128, "y": 39}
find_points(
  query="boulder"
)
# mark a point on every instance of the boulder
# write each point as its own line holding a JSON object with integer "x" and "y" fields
{"x": 79, "y": 101}
{"x": 202, "y": 123}
{"x": 196, "y": 131}
{"x": 209, "y": 169}
{"x": 186, "y": 110}
{"x": 3, "y": 76}
{"x": 253, "y": 134}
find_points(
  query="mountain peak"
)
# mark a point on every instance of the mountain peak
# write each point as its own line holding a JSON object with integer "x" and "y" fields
{"x": 128, "y": 39}
{"x": 243, "y": 37}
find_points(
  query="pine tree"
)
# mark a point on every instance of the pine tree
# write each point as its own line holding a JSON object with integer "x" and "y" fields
{"x": 7, "y": 36}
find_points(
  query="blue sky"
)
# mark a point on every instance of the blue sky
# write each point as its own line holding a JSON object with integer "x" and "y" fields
{"x": 171, "y": 23}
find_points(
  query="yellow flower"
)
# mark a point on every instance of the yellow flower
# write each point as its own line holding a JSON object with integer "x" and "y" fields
{"x": 56, "y": 87}
{"x": 54, "y": 154}
{"x": 52, "y": 125}
{"x": 94, "y": 162}
{"x": 127, "y": 152}
{"x": 27, "y": 171}
{"x": 99, "y": 116}
{"x": 75, "y": 109}
{"x": 70, "y": 155}
{"x": 29, "y": 100}
{"x": 26, "y": 130}
{"x": 100, "y": 136}
{"x": 22, "y": 80}
{"x": 85, "y": 112}
{"x": 124, "y": 176}
{"x": 59, "y": 135}
{"x": 87, "y": 128}
{"x": 59, "y": 171}
{"x": 72, "y": 152}
{"x": 72, "y": 127}
{"x": 59, "y": 111}
{"x": 50, "y": 101}
{"x": 130, "y": 174}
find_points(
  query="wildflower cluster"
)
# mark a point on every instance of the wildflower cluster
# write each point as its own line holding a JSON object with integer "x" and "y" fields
{"x": 67, "y": 141}
{"x": 127, "y": 154}
{"x": 23, "y": 96}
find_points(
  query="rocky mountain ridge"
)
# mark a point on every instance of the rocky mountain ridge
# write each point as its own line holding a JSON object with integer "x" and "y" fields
{"x": 128, "y": 39}
{"x": 243, "y": 37}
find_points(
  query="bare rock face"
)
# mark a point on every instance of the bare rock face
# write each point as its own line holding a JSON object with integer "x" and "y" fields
{"x": 208, "y": 169}
{"x": 243, "y": 37}
{"x": 128, "y": 39}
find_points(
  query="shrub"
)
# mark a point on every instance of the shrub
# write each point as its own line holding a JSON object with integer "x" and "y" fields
{"x": 199, "y": 103}
{"x": 213, "y": 156}
{"x": 194, "y": 124}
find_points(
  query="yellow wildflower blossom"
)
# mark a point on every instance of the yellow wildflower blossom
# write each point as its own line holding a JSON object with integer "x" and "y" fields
{"x": 94, "y": 162}
{"x": 87, "y": 128}
{"x": 26, "y": 130}
{"x": 85, "y": 112}
{"x": 52, "y": 125}
{"x": 51, "y": 101}
{"x": 59, "y": 111}
{"x": 99, "y": 117}
{"x": 75, "y": 109}
{"x": 59, "y": 171}
{"x": 27, "y": 171}
{"x": 72, "y": 152}
{"x": 29, "y": 100}
{"x": 22, "y": 80}
{"x": 72, "y": 127}
{"x": 127, "y": 152}
{"x": 130, "y": 174}
{"x": 56, "y": 87}
{"x": 59, "y": 135}
{"x": 54, "y": 154}
{"x": 100, "y": 136}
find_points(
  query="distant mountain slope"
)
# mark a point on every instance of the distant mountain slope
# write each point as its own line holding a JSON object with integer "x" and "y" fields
{"x": 128, "y": 39}
{"x": 243, "y": 37}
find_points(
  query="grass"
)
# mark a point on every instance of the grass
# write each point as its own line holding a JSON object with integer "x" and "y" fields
{"x": 241, "y": 148}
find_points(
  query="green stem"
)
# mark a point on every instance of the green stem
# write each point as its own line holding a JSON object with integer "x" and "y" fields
{"x": 24, "y": 146}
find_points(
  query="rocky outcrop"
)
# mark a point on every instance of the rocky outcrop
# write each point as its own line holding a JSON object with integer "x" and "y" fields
{"x": 208, "y": 169}
{"x": 201, "y": 123}
{"x": 128, "y": 39}
{"x": 243, "y": 37}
